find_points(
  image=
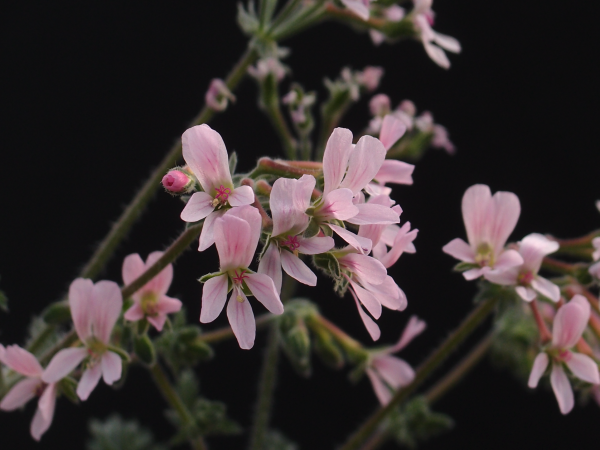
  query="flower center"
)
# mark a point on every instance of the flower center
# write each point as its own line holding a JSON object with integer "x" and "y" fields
{"x": 149, "y": 304}
{"x": 222, "y": 195}
{"x": 291, "y": 243}
{"x": 485, "y": 255}
{"x": 95, "y": 349}
{"x": 525, "y": 278}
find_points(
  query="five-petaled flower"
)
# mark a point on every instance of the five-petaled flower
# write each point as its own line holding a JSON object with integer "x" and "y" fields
{"x": 95, "y": 309}
{"x": 150, "y": 301}
{"x": 236, "y": 236}
{"x": 569, "y": 324}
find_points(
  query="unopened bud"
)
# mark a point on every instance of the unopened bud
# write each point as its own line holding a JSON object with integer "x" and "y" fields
{"x": 176, "y": 182}
{"x": 408, "y": 107}
{"x": 380, "y": 105}
{"x": 370, "y": 77}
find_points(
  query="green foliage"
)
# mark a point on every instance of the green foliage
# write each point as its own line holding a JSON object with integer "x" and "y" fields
{"x": 116, "y": 433}
{"x": 295, "y": 340}
{"x": 506, "y": 295}
{"x": 515, "y": 340}
{"x": 328, "y": 263}
{"x": 57, "y": 313}
{"x": 274, "y": 440}
{"x": 233, "y": 160}
{"x": 327, "y": 349}
{"x": 67, "y": 387}
{"x": 143, "y": 348}
{"x": 43, "y": 336}
{"x": 210, "y": 417}
{"x": 247, "y": 19}
{"x": 181, "y": 347}
{"x": 414, "y": 422}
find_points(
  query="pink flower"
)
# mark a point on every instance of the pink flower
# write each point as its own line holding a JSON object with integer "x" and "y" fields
{"x": 370, "y": 76}
{"x": 440, "y": 137}
{"x": 218, "y": 95}
{"x": 23, "y": 362}
{"x": 358, "y": 7}
{"x": 206, "y": 155}
{"x": 267, "y": 66}
{"x": 525, "y": 277}
{"x": 488, "y": 221}
{"x": 236, "y": 236}
{"x": 393, "y": 13}
{"x": 150, "y": 300}
{"x": 380, "y": 105}
{"x": 289, "y": 200}
{"x": 388, "y": 373}
{"x": 422, "y": 17}
{"x": 176, "y": 181}
{"x": 596, "y": 245}
{"x": 95, "y": 309}
{"x": 569, "y": 324}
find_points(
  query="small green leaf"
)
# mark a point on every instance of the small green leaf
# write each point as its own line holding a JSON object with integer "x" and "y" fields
{"x": 464, "y": 266}
{"x": 274, "y": 440}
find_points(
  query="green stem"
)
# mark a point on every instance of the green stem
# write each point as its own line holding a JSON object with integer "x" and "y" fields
{"x": 284, "y": 13}
{"x": 282, "y": 130}
{"x": 170, "y": 395}
{"x": 40, "y": 339}
{"x": 557, "y": 266}
{"x": 268, "y": 377}
{"x": 145, "y": 194}
{"x": 175, "y": 249}
{"x": 310, "y": 16}
{"x": 434, "y": 360}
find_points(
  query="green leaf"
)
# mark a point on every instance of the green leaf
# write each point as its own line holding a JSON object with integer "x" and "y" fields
{"x": 328, "y": 263}
{"x": 414, "y": 422}
{"x": 68, "y": 386}
{"x": 116, "y": 433}
{"x": 275, "y": 440}
{"x": 247, "y": 19}
{"x": 464, "y": 266}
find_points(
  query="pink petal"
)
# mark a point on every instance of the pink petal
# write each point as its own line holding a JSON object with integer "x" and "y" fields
{"x": 134, "y": 313}
{"x": 133, "y": 267}
{"x": 263, "y": 289}
{"x": 80, "y": 302}
{"x": 107, "y": 304}
{"x": 234, "y": 242}
{"x": 168, "y": 305}
{"x": 360, "y": 244}
{"x": 251, "y": 215}
{"x": 358, "y": 8}
{"x": 369, "y": 213}
{"x": 525, "y": 293}
{"x": 562, "y": 389}
{"x": 436, "y": 54}
{"x": 337, "y": 204}
{"x": 403, "y": 239}
{"x": 472, "y": 274}
{"x": 315, "y": 245}
{"x": 546, "y": 288}
{"x": 397, "y": 172}
{"x": 205, "y": 153}
{"x": 570, "y": 322}
{"x": 414, "y": 327}
{"x": 20, "y": 394}
{"x": 370, "y": 324}
{"x": 382, "y": 391}
{"x": 506, "y": 209}
{"x": 63, "y": 363}
{"x": 447, "y": 42}
{"x": 44, "y": 413}
{"x": 207, "y": 237}
{"x": 460, "y": 250}
{"x": 508, "y": 259}
{"x": 288, "y": 202}
{"x": 392, "y": 129}
{"x": 583, "y": 367}
{"x": 367, "y": 299}
{"x": 157, "y": 321}
{"x": 2, "y": 353}
{"x": 111, "y": 367}
{"x": 504, "y": 278}
{"x": 214, "y": 295}
{"x": 242, "y": 321}
{"x": 533, "y": 248}
{"x": 89, "y": 380}
{"x": 394, "y": 371}
{"x": 160, "y": 283}
{"x": 365, "y": 267}
{"x": 20, "y": 360}
{"x": 387, "y": 293}
{"x": 296, "y": 269}
{"x": 539, "y": 367}
{"x": 270, "y": 265}
{"x": 335, "y": 158}
{"x": 198, "y": 207}
{"x": 241, "y": 196}
{"x": 364, "y": 163}
{"x": 477, "y": 212}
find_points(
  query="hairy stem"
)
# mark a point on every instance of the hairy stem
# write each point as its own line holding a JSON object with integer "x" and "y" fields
{"x": 459, "y": 335}
{"x": 170, "y": 395}
{"x": 285, "y": 135}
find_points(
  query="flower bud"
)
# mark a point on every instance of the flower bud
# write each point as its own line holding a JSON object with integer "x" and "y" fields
{"x": 218, "y": 95}
{"x": 370, "y": 77}
{"x": 177, "y": 181}
{"x": 380, "y": 105}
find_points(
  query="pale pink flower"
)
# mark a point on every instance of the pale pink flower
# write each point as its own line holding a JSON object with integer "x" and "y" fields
{"x": 370, "y": 76}
{"x": 206, "y": 155}
{"x": 150, "y": 301}
{"x": 569, "y": 324}
{"x": 298, "y": 106}
{"x": 176, "y": 181}
{"x": 95, "y": 309}
{"x": 371, "y": 287}
{"x": 23, "y": 362}
{"x": 236, "y": 236}
{"x": 358, "y": 7}
{"x": 389, "y": 373}
{"x": 433, "y": 42}
{"x": 393, "y": 13}
{"x": 440, "y": 137}
{"x": 267, "y": 66}
{"x": 525, "y": 277}
{"x": 380, "y": 105}
{"x": 289, "y": 200}
{"x": 218, "y": 95}
{"x": 596, "y": 245}
{"x": 489, "y": 221}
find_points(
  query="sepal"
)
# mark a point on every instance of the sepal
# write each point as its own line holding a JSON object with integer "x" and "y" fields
{"x": 144, "y": 349}
{"x": 68, "y": 387}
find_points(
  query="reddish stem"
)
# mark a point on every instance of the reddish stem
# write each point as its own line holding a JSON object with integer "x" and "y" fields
{"x": 545, "y": 334}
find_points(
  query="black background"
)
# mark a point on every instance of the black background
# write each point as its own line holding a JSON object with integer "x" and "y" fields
{"x": 93, "y": 93}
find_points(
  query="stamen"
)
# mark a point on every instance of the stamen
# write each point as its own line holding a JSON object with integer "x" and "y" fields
{"x": 239, "y": 278}
{"x": 223, "y": 194}
{"x": 292, "y": 243}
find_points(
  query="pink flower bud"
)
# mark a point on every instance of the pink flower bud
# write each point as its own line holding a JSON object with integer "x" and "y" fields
{"x": 175, "y": 181}
{"x": 218, "y": 95}
{"x": 380, "y": 105}
{"x": 370, "y": 77}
